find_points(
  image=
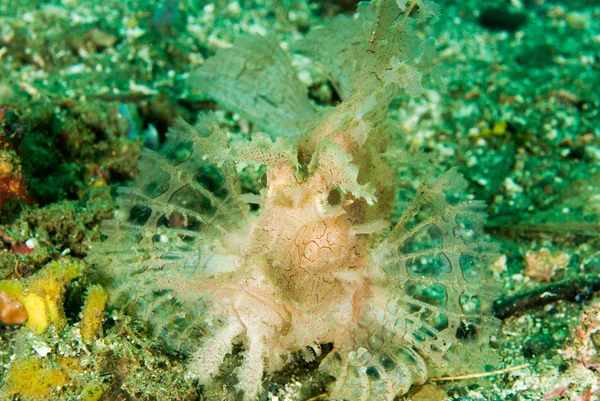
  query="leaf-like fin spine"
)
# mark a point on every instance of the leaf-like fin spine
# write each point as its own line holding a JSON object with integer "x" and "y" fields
{"x": 335, "y": 165}
{"x": 261, "y": 150}
{"x": 255, "y": 79}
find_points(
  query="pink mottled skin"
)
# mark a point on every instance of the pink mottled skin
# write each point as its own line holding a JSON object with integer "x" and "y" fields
{"x": 305, "y": 272}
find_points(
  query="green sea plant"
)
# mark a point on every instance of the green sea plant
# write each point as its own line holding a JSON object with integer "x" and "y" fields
{"x": 316, "y": 255}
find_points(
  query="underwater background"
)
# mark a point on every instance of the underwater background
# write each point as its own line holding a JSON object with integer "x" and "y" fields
{"x": 85, "y": 86}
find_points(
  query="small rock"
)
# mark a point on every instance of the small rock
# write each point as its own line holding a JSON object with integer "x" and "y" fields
{"x": 426, "y": 392}
{"x": 12, "y": 311}
{"x": 41, "y": 348}
{"x": 501, "y": 19}
{"x": 101, "y": 39}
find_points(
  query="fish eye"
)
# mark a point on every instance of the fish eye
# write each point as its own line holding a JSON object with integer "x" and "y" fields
{"x": 334, "y": 197}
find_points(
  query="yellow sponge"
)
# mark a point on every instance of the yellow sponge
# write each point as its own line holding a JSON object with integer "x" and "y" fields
{"x": 34, "y": 379}
{"x": 93, "y": 312}
{"x": 92, "y": 392}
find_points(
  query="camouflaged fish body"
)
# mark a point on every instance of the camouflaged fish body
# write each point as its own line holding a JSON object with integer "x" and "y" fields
{"x": 316, "y": 255}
